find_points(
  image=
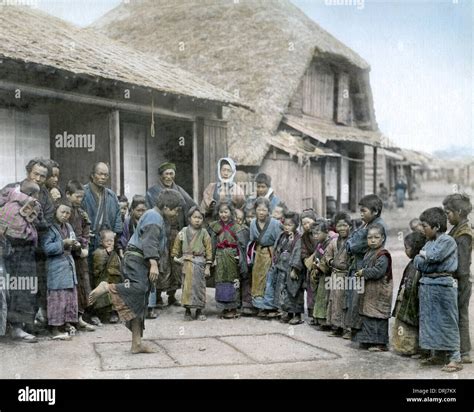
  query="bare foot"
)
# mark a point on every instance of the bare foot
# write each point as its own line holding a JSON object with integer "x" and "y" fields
{"x": 142, "y": 348}
{"x": 100, "y": 290}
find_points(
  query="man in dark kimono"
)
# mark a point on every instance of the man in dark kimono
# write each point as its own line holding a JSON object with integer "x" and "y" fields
{"x": 170, "y": 278}
{"x": 141, "y": 267}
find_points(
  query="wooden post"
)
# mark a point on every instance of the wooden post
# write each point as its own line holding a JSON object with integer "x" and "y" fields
{"x": 339, "y": 183}
{"x": 115, "y": 158}
{"x": 375, "y": 170}
{"x": 323, "y": 183}
{"x": 195, "y": 163}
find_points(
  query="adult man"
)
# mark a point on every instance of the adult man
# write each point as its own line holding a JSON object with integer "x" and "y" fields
{"x": 101, "y": 204}
{"x": 170, "y": 278}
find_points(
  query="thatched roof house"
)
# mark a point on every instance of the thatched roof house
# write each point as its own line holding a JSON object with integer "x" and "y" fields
{"x": 256, "y": 49}
{"x": 57, "y": 79}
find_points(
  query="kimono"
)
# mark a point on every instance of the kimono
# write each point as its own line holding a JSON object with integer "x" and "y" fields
{"x": 321, "y": 292}
{"x": 228, "y": 246}
{"x": 406, "y": 313}
{"x": 376, "y": 300}
{"x": 438, "y": 295}
{"x": 61, "y": 276}
{"x": 224, "y": 189}
{"x": 246, "y": 281}
{"x": 196, "y": 249}
{"x": 129, "y": 226}
{"x": 81, "y": 225}
{"x": 103, "y": 212}
{"x": 130, "y": 297}
{"x": 3, "y": 290}
{"x": 356, "y": 248}
{"x": 106, "y": 268}
{"x": 335, "y": 263}
{"x": 261, "y": 251}
{"x": 282, "y": 292}
{"x": 308, "y": 246}
{"x": 462, "y": 234}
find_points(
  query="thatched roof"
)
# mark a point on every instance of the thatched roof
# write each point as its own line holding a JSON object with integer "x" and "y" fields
{"x": 32, "y": 36}
{"x": 259, "y": 49}
{"x": 299, "y": 148}
{"x": 323, "y": 131}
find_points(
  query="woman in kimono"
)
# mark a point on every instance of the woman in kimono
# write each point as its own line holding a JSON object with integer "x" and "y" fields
{"x": 376, "y": 300}
{"x": 223, "y": 190}
{"x": 406, "y": 311}
{"x": 264, "y": 232}
{"x": 230, "y": 259}
{"x": 336, "y": 263}
{"x": 284, "y": 289}
{"x": 438, "y": 294}
{"x": 193, "y": 249}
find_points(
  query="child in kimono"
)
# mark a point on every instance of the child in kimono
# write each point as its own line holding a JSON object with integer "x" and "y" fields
{"x": 406, "y": 311}
{"x": 438, "y": 293}
{"x": 81, "y": 225}
{"x": 284, "y": 289}
{"x": 308, "y": 245}
{"x": 335, "y": 263}
{"x": 246, "y": 307}
{"x": 319, "y": 278}
{"x": 376, "y": 300}
{"x": 106, "y": 266}
{"x": 137, "y": 209}
{"x": 370, "y": 213}
{"x": 457, "y": 207}
{"x": 229, "y": 257}
{"x": 279, "y": 212}
{"x": 123, "y": 203}
{"x": 58, "y": 243}
{"x": 193, "y": 249}
{"x": 264, "y": 232}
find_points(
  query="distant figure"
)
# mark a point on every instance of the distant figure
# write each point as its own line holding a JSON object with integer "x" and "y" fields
{"x": 384, "y": 194}
{"x": 400, "y": 189}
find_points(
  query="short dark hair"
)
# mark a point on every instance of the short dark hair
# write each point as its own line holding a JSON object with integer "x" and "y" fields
{"x": 169, "y": 198}
{"x": 94, "y": 168}
{"x": 262, "y": 201}
{"x": 416, "y": 241}
{"x": 249, "y": 205}
{"x": 194, "y": 209}
{"x": 62, "y": 201}
{"x": 435, "y": 217}
{"x": 342, "y": 216}
{"x": 373, "y": 203}
{"x": 41, "y": 162}
{"x": 321, "y": 225}
{"x": 263, "y": 178}
{"x": 226, "y": 203}
{"x": 379, "y": 227}
{"x": 292, "y": 216}
{"x": 458, "y": 202}
{"x": 283, "y": 206}
{"x": 52, "y": 163}
{"x": 29, "y": 187}
{"x": 308, "y": 213}
{"x": 122, "y": 198}
{"x": 73, "y": 186}
{"x": 136, "y": 201}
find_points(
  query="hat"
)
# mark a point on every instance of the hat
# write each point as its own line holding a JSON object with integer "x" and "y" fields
{"x": 165, "y": 166}
{"x": 264, "y": 178}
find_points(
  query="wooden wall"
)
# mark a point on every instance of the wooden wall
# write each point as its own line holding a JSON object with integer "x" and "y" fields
{"x": 318, "y": 91}
{"x": 299, "y": 187}
{"x": 23, "y": 135}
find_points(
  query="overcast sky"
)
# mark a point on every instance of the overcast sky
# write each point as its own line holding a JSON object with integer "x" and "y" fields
{"x": 420, "y": 51}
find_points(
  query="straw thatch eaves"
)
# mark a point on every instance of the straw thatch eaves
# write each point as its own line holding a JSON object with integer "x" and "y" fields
{"x": 303, "y": 150}
{"x": 32, "y": 36}
{"x": 323, "y": 131}
{"x": 259, "y": 49}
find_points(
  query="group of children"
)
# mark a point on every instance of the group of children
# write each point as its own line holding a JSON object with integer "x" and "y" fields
{"x": 264, "y": 260}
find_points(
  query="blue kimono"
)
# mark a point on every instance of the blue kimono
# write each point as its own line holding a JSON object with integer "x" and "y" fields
{"x": 439, "y": 316}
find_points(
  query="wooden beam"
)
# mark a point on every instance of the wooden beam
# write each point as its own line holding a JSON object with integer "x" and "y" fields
{"x": 195, "y": 163}
{"x": 92, "y": 100}
{"x": 375, "y": 169}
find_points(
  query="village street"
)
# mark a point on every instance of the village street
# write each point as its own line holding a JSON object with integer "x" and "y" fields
{"x": 218, "y": 348}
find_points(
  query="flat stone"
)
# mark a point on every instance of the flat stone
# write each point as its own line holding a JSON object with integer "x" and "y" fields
{"x": 117, "y": 356}
{"x": 276, "y": 348}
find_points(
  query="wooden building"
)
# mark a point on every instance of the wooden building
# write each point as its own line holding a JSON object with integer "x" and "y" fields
{"x": 301, "y": 81}
{"x": 78, "y": 97}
